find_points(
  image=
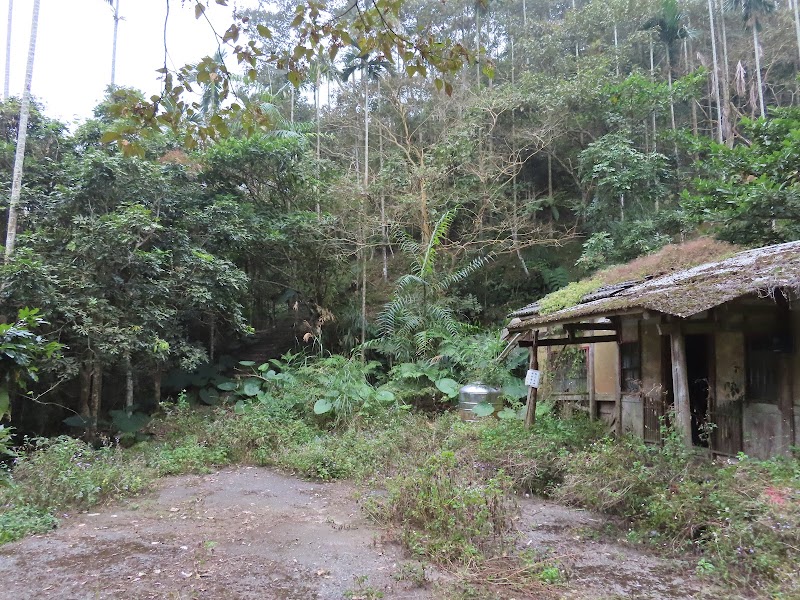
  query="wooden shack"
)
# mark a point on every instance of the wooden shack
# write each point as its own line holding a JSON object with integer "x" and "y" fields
{"x": 711, "y": 350}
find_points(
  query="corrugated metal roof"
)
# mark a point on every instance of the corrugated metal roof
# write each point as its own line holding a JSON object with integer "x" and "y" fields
{"x": 686, "y": 293}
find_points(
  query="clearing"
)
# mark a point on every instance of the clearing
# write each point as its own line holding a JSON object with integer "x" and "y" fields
{"x": 251, "y": 532}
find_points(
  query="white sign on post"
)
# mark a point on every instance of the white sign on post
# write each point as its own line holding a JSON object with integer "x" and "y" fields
{"x": 532, "y": 378}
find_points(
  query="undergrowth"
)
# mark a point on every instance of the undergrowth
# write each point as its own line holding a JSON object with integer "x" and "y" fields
{"x": 450, "y": 485}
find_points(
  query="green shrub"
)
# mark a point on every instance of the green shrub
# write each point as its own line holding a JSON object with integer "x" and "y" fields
{"x": 18, "y": 521}
{"x": 64, "y": 472}
{"x": 190, "y": 456}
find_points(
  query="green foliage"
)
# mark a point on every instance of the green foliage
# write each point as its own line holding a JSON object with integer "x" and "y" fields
{"x": 18, "y": 521}
{"x": 420, "y": 314}
{"x": 190, "y": 455}
{"x": 21, "y": 352}
{"x": 750, "y": 194}
{"x": 64, "y": 473}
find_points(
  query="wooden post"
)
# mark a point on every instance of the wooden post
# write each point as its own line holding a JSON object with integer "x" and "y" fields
{"x": 533, "y": 363}
{"x": 618, "y": 393}
{"x": 590, "y": 382}
{"x": 680, "y": 387}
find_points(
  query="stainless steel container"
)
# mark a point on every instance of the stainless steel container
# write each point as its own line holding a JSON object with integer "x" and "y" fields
{"x": 473, "y": 394}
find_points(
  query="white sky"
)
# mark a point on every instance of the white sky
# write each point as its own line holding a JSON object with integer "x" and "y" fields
{"x": 73, "y": 50}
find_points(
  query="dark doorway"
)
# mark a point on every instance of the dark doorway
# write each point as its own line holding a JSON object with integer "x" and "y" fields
{"x": 698, "y": 371}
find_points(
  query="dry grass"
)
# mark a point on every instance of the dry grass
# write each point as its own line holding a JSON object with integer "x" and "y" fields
{"x": 672, "y": 257}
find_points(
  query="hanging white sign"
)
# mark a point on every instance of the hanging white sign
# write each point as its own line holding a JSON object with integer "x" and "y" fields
{"x": 532, "y": 378}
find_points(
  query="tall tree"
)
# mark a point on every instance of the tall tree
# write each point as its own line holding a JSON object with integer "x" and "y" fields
{"x": 750, "y": 11}
{"x": 670, "y": 23}
{"x": 115, "y": 5}
{"x": 19, "y": 157}
{"x": 8, "y": 49}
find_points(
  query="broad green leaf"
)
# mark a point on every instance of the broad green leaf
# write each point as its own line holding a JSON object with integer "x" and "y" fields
{"x": 199, "y": 9}
{"x": 128, "y": 423}
{"x": 240, "y": 407}
{"x": 209, "y": 396}
{"x": 247, "y": 363}
{"x": 251, "y": 387}
{"x": 322, "y": 406}
{"x": 483, "y": 409}
{"x": 227, "y": 386}
{"x": 384, "y": 396}
{"x": 76, "y": 421}
{"x": 507, "y": 414}
{"x": 448, "y": 386}
{"x": 110, "y": 136}
{"x": 516, "y": 389}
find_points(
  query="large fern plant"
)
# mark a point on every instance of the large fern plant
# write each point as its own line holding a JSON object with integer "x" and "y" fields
{"x": 421, "y": 314}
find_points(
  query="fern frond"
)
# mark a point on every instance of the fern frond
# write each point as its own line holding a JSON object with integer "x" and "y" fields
{"x": 440, "y": 230}
{"x": 462, "y": 273}
{"x": 408, "y": 279}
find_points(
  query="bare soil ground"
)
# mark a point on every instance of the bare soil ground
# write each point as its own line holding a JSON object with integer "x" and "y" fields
{"x": 247, "y": 533}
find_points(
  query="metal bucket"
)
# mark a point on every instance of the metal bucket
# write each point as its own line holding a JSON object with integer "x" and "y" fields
{"x": 473, "y": 394}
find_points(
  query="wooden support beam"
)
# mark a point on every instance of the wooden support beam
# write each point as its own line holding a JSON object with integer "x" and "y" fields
{"x": 585, "y": 339}
{"x": 533, "y": 393}
{"x": 618, "y": 394}
{"x": 680, "y": 387}
{"x": 590, "y": 326}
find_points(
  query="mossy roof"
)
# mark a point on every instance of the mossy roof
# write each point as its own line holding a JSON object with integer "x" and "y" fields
{"x": 685, "y": 292}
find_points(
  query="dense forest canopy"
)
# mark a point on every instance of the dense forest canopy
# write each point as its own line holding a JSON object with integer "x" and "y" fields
{"x": 378, "y": 196}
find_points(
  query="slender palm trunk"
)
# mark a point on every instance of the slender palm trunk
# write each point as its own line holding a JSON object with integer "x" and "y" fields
{"x": 22, "y": 135}
{"x": 364, "y": 75}
{"x": 478, "y": 45}
{"x": 756, "y": 51}
{"x": 652, "y": 78}
{"x": 687, "y": 69}
{"x": 8, "y": 50}
{"x": 317, "y": 150}
{"x": 715, "y": 72}
{"x": 796, "y": 23}
{"x": 616, "y": 48}
{"x": 114, "y": 45}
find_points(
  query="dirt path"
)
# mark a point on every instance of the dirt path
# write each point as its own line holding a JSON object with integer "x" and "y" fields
{"x": 247, "y": 533}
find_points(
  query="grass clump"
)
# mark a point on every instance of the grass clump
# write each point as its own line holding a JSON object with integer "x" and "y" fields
{"x": 17, "y": 521}
{"x": 449, "y": 511}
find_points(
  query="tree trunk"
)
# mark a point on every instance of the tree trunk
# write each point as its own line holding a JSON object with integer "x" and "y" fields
{"x": 212, "y": 338}
{"x": 114, "y": 45}
{"x": 478, "y": 45}
{"x": 128, "y": 382}
{"x": 384, "y": 225}
{"x": 157, "y": 384}
{"x": 319, "y": 133}
{"x": 6, "y": 84}
{"x": 96, "y": 397}
{"x": 22, "y": 135}
{"x": 725, "y": 85}
{"x": 85, "y": 389}
{"x": 756, "y": 48}
{"x": 715, "y": 73}
{"x": 652, "y": 78}
{"x": 616, "y": 48}
{"x": 796, "y": 23}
